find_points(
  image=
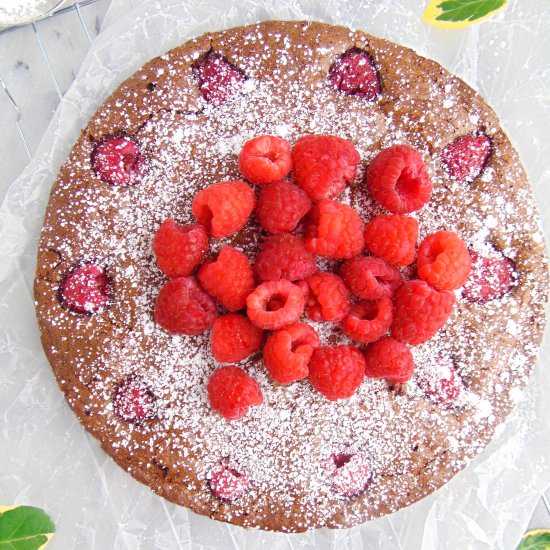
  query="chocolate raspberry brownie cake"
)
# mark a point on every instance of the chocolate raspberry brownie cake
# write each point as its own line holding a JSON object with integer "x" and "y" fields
{"x": 292, "y": 276}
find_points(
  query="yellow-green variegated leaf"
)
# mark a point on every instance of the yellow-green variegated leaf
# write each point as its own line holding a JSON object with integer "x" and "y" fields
{"x": 24, "y": 528}
{"x": 535, "y": 540}
{"x": 456, "y": 14}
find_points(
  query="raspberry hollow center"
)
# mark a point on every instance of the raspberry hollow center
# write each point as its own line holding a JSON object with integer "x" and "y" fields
{"x": 369, "y": 311}
{"x": 407, "y": 184}
{"x": 341, "y": 459}
{"x": 276, "y": 302}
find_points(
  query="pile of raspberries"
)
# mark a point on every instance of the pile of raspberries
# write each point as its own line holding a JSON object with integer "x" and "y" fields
{"x": 367, "y": 295}
{"x": 266, "y": 302}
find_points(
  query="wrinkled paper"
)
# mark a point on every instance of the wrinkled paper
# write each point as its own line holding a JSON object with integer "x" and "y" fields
{"x": 46, "y": 457}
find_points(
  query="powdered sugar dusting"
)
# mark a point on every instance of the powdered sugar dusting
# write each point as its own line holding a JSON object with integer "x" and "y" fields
{"x": 282, "y": 445}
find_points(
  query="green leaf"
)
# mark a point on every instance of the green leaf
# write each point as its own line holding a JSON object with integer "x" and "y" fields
{"x": 535, "y": 540}
{"x": 24, "y": 528}
{"x": 467, "y": 10}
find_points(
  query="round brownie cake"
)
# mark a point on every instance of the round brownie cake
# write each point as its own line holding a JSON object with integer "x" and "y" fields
{"x": 298, "y": 460}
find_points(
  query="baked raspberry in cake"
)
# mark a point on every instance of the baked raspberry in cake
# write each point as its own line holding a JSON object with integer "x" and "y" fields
{"x": 292, "y": 276}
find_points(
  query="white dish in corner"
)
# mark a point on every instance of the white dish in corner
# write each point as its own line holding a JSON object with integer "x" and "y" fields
{"x": 19, "y": 12}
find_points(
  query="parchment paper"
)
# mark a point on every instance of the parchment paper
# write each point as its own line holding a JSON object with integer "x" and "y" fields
{"x": 47, "y": 459}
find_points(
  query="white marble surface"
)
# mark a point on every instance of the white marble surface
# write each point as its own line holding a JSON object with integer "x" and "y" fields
{"x": 37, "y": 88}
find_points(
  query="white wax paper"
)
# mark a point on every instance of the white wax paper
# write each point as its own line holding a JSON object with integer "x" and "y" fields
{"x": 46, "y": 457}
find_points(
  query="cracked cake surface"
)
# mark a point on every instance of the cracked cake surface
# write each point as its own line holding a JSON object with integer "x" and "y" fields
{"x": 279, "y": 451}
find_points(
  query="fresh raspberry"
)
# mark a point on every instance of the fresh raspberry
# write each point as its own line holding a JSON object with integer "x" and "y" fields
{"x": 397, "y": 178}
{"x": 370, "y": 278}
{"x": 182, "y": 307}
{"x": 234, "y": 338}
{"x": 281, "y": 207}
{"x": 328, "y": 298}
{"x": 444, "y": 261}
{"x": 133, "y": 401}
{"x": 441, "y": 383}
{"x": 369, "y": 321}
{"x": 218, "y": 79}
{"x": 224, "y": 208}
{"x": 265, "y": 159}
{"x": 118, "y": 161}
{"x": 466, "y": 156}
{"x": 336, "y": 371}
{"x": 393, "y": 238}
{"x": 323, "y": 165}
{"x": 354, "y": 73}
{"x": 492, "y": 276}
{"x": 387, "y": 358}
{"x": 229, "y": 278}
{"x": 287, "y": 352}
{"x": 85, "y": 289}
{"x": 420, "y": 311}
{"x": 275, "y": 304}
{"x": 349, "y": 473}
{"x": 284, "y": 257}
{"x": 231, "y": 392}
{"x": 304, "y": 287}
{"x": 226, "y": 482}
{"x": 179, "y": 248}
{"x": 334, "y": 230}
